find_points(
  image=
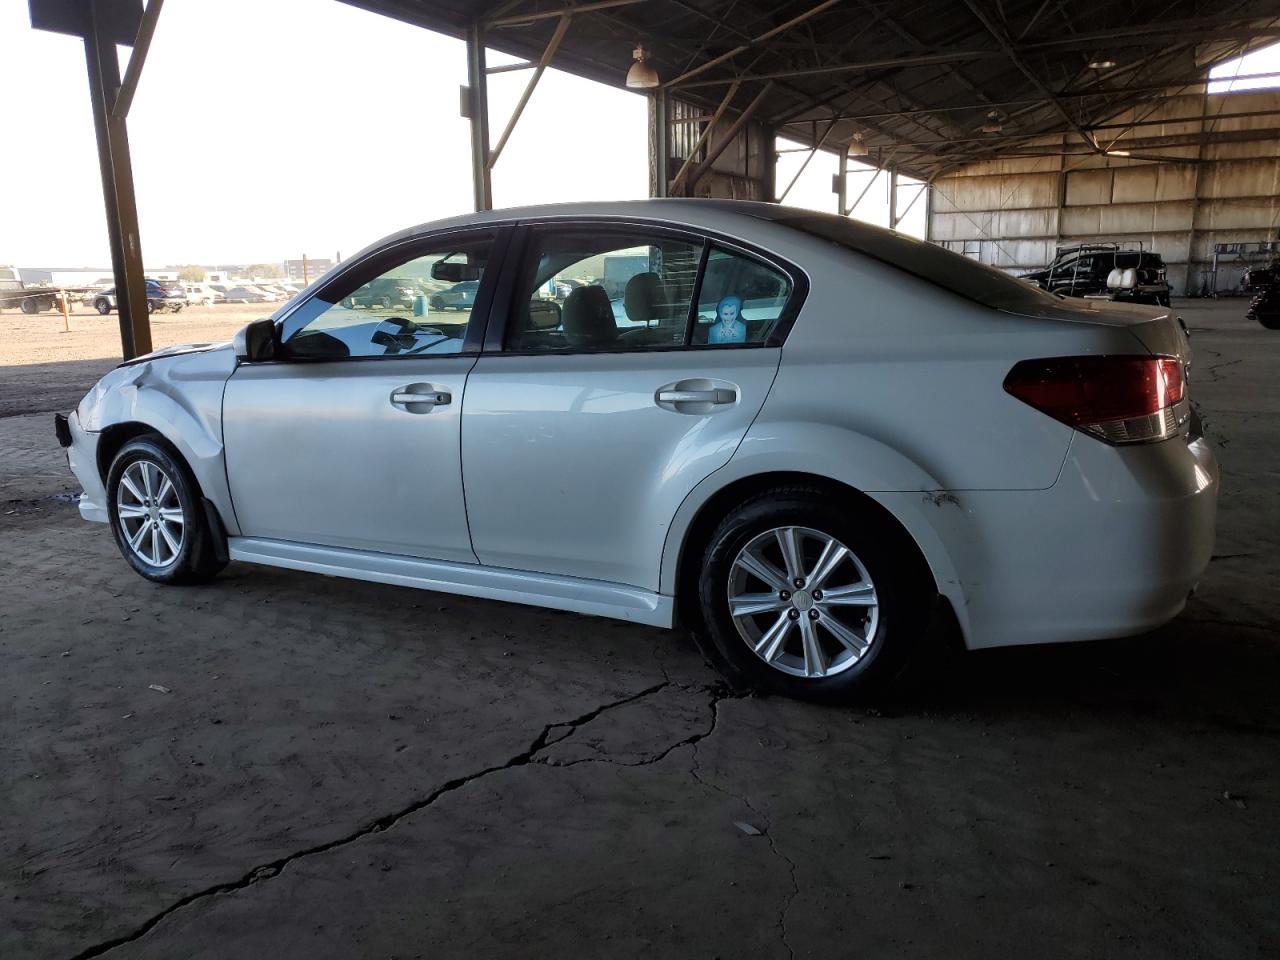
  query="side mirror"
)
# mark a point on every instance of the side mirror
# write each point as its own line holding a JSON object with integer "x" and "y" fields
{"x": 256, "y": 342}
{"x": 544, "y": 315}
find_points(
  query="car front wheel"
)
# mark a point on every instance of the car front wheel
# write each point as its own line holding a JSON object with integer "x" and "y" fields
{"x": 104, "y": 306}
{"x": 157, "y": 514}
{"x": 809, "y": 596}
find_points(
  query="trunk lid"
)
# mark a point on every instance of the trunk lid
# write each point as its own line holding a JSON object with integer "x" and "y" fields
{"x": 1158, "y": 330}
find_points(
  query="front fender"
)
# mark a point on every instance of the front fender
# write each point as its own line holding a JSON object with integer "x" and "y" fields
{"x": 180, "y": 397}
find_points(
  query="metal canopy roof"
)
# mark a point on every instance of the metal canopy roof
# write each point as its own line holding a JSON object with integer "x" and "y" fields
{"x": 918, "y": 79}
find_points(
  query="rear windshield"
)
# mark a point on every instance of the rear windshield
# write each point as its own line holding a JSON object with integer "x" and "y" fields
{"x": 939, "y": 266}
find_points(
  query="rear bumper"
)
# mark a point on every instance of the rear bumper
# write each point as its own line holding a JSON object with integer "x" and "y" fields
{"x": 1114, "y": 548}
{"x": 82, "y": 457}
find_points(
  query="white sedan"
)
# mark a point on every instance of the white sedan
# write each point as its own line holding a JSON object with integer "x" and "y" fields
{"x": 808, "y": 434}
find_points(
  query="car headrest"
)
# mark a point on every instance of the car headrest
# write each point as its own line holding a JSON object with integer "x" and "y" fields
{"x": 644, "y": 297}
{"x": 1115, "y": 277}
{"x": 587, "y": 318}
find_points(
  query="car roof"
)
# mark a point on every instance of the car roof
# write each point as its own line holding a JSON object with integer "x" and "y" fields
{"x": 691, "y": 212}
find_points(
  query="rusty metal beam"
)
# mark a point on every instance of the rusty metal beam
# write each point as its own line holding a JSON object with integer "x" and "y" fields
{"x": 137, "y": 59}
{"x": 520, "y": 19}
{"x": 862, "y": 67}
{"x": 1006, "y": 44}
{"x": 678, "y": 182}
{"x": 701, "y": 169}
{"x": 762, "y": 38}
{"x": 552, "y": 46}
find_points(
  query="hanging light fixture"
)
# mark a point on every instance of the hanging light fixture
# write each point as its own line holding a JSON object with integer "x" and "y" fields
{"x": 1101, "y": 64}
{"x": 641, "y": 76}
{"x": 995, "y": 122}
{"x": 856, "y": 147}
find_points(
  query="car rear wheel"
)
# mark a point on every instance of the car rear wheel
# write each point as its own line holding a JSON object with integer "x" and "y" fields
{"x": 30, "y": 305}
{"x": 811, "y": 597}
{"x": 157, "y": 515}
{"x": 103, "y": 306}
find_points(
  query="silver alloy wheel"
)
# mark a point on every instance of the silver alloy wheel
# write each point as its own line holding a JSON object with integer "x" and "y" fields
{"x": 803, "y": 602}
{"x": 150, "y": 513}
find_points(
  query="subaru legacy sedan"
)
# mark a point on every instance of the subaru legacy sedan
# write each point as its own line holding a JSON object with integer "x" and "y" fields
{"x": 809, "y": 436}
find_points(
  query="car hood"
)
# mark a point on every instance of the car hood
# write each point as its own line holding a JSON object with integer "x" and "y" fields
{"x": 170, "y": 372}
{"x": 178, "y": 350}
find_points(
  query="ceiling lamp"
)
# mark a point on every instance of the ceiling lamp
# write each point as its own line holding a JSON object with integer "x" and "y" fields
{"x": 856, "y": 147}
{"x": 1101, "y": 64}
{"x": 641, "y": 76}
{"x": 995, "y": 122}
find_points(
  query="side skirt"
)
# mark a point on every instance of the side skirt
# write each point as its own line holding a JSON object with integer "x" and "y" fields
{"x": 595, "y": 597}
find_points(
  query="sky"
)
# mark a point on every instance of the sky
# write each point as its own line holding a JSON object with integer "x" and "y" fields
{"x": 268, "y": 129}
{"x": 1263, "y": 60}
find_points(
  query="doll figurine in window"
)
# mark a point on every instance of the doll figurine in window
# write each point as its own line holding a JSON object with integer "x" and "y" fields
{"x": 728, "y": 327}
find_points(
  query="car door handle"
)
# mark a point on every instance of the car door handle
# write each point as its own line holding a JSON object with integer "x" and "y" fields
{"x": 697, "y": 396}
{"x": 437, "y": 398}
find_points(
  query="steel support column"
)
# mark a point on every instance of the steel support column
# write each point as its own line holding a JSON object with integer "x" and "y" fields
{"x": 117, "y": 190}
{"x": 842, "y": 182}
{"x": 769, "y": 175}
{"x": 893, "y": 198}
{"x": 659, "y": 151}
{"x": 478, "y": 112}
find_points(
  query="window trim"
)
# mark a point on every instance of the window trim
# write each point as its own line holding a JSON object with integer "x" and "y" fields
{"x": 520, "y": 248}
{"x": 401, "y": 251}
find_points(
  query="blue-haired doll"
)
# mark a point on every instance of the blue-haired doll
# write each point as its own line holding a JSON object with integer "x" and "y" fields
{"x": 728, "y": 327}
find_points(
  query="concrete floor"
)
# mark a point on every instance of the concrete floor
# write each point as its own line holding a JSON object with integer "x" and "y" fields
{"x": 339, "y": 769}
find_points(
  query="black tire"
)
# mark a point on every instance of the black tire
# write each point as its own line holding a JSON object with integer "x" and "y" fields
{"x": 30, "y": 305}
{"x": 196, "y": 560}
{"x": 385, "y": 303}
{"x": 903, "y": 588}
{"x": 152, "y": 306}
{"x": 102, "y": 305}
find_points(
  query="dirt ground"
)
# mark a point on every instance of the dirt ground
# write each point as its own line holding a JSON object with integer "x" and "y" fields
{"x": 281, "y": 765}
{"x": 44, "y": 366}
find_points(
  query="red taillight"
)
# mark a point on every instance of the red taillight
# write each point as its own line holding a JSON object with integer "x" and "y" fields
{"x": 1120, "y": 399}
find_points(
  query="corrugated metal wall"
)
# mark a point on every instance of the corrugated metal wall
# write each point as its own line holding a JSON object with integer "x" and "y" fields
{"x": 1012, "y": 213}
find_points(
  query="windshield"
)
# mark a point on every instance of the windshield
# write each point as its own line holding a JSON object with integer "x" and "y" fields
{"x": 951, "y": 271}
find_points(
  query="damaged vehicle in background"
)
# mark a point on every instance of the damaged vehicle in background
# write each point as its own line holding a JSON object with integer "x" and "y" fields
{"x": 811, "y": 437}
{"x": 1105, "y": 270}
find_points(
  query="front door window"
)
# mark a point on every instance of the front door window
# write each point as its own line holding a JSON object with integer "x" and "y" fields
{"x": 418, "y": 307}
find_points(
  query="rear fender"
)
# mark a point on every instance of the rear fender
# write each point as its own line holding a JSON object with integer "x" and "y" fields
{"x": 904, "y": 488}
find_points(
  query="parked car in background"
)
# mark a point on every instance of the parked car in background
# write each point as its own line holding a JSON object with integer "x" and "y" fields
{"x": 245, "y": 294}
{"x": 387, "y": 292}
{"x": 1105, "y": 270}
{"x": 1259, "y": 278}
{"x": 460, "y": 296}
{"x": 274, "y": 290}
{"x": 818, "y": 433}
{"x": 161, "y": 295}
{"x": 200, "y": 294}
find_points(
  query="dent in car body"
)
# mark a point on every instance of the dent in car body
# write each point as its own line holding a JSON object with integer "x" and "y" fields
{"x": 178, "y": 392}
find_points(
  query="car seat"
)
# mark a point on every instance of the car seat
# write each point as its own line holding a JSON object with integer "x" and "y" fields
{"x": 645, "y": 298}
{"x": 588, "y": 318}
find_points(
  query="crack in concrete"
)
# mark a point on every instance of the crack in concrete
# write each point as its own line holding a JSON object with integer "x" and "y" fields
{"x": 719, "y": 692}
{"x": 785, "y": 908}
{"x": 274, "y": 868}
